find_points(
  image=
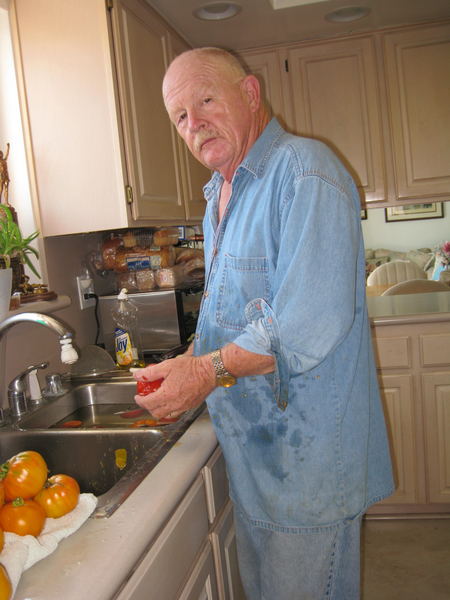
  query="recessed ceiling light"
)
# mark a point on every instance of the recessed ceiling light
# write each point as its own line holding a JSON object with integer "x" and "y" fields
{"x": 214, "y": 11}
{"x": 349, "y": 13}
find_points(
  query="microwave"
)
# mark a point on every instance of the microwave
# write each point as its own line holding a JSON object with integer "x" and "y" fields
{"x": 166, "y": 317}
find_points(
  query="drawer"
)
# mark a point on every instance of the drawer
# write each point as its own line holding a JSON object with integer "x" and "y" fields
{"x": 435, "y": 350}
{"x": 392, "y": 353}
{"x": 216, "y": 483}
{"x": 163, "y": 569}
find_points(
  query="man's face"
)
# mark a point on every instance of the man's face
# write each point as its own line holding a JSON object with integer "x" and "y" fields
{"x": 211, "y": 112}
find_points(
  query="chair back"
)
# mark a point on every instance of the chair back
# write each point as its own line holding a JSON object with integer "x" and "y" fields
{"x": 395, "y": 272}
{"x": 417, "y": 286}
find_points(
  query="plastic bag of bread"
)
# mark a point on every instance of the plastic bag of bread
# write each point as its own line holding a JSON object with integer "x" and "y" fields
{"x": 166, "y": 237}
{"x": 109, "y": 248}
{"x": 186, "y": 254}
{"x": 145, "y": 280}
{"x": 127, "y": 281}
{"x": 140, "y": 258}
{"x": 194, "y": 269}
{"x": 170, "y": 277}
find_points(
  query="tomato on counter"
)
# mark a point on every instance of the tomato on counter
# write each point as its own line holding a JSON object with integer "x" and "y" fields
{"x": 5, "y": 585}
{"x": 59, "y": 496}
{"x": 23, "y": 475}
{"x": 23, "y": 517}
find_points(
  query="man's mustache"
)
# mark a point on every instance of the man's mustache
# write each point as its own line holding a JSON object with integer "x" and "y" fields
{"x": 201, "y": 137}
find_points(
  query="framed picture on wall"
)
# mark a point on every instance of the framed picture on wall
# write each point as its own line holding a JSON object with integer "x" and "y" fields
{"x": 414, "y": 212}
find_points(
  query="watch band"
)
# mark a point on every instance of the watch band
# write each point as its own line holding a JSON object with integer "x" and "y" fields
{"x": 224, "y": 379}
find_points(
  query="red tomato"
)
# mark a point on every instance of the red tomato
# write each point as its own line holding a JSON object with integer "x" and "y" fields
{"x": 144, "y": 423}
{"x": 23, "y": 517}
{"x": 2, "y": 495}
{"x": 5, "y": 585}
{"x": 59, "y": 496}
{"x": 24, "y": 475}
{"x": 147, "y": 387}
{"x": 2, "y": 539}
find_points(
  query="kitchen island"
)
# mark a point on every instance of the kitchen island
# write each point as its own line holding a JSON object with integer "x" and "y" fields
{"x": 411, "y": 335}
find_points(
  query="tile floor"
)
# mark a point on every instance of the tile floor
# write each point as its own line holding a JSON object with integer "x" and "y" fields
{"x": 405, "y": 559}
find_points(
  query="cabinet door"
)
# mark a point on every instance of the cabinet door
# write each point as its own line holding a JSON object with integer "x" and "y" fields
{"x": 436, "y": 397}
{"x": 151, "y": 149}
{"x": 161, "y": 572}
{"x": 418, "y": 79}
{"x": 266, "y": 67}
{"x": 194, "y": 174}
{"x": 201, "y": 584}
{"x": 397, "y": 397}
{"x": 335, "y": 100}
{"x": 223, "y": 539}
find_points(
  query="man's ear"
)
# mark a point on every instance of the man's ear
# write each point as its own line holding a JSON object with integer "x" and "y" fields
{"x": 252, "y": 92}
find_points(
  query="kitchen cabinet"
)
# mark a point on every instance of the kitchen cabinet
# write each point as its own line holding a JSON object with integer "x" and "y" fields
{"x": 194, "y": 557}
{"x": 413, "y": 361}
{"x": 380, "y": 100}
{"x": 418, "y": 86}
{"x": 97, "y": 133}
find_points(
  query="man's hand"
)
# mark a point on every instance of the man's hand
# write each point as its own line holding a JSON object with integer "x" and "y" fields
{"x": 188, "y": 381}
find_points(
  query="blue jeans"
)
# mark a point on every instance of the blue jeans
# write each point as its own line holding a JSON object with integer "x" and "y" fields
{"x": 298, "y": 566}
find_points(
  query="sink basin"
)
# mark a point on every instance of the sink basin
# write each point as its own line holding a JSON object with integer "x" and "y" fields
{"x": 105, "y": 454}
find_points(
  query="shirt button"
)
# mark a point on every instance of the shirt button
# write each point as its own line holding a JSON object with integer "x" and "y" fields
{"x": 216, "y": 252}
{"x": 206, "y": 294}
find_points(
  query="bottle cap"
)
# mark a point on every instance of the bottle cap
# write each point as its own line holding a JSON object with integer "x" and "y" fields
{"x": 123, "y": 294}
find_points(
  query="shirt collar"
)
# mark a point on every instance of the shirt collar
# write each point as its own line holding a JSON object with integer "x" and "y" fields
{"x": 256, "y": 159}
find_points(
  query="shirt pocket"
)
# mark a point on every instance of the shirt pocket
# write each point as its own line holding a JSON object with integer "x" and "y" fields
{"x": 243, "y": 280}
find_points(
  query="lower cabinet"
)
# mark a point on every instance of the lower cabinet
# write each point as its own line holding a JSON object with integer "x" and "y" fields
{"x": 194, "y": 557}
{"x": 413, "y": 360}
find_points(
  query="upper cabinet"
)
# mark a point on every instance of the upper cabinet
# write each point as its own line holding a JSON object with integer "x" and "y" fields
{"x": 104, "y": 151}
{"x": 418, "y": 86}
{"x": 380, "y": 101}
{"x": 335, "y": 100}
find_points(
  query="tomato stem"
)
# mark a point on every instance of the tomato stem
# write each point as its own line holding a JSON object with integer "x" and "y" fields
{"x": 18, "y": 502}
{"x": 4, "y": 468}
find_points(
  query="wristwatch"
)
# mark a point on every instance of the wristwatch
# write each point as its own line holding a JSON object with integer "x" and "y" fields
{"x": 224, "y": 379}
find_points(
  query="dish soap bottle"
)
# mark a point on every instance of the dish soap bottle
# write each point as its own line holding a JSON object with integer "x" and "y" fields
{"x": 127, "y": 337}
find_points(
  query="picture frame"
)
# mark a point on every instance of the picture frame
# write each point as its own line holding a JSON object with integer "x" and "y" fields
{"x": 363, "y": 214}
{"x": 414, "y": 212}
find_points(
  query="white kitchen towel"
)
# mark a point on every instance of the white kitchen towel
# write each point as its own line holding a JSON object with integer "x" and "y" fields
{"x": 22, "y": 552}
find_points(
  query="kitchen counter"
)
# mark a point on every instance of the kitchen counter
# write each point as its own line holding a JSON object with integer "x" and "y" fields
{"x": 414, "y": 308}
{"x": 96, "y": 560}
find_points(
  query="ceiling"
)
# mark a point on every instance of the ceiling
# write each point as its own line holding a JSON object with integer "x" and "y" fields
{"x": 260, "y": 25}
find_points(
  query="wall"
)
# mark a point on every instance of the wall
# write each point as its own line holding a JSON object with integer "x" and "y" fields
{"x": 403, "y": 236}
{"x": 11, "y": 131}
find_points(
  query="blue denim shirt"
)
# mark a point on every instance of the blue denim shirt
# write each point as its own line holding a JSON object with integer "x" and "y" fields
{"x": 305, "y": 446}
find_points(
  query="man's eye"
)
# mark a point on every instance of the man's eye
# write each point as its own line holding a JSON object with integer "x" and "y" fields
{"x": 206, "y": 100}
{"x": 181, "y": 117}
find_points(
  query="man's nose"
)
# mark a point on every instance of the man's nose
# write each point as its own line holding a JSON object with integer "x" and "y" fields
{"x": 195, "y": 120}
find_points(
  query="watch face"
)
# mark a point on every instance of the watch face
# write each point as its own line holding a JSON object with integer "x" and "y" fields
{"x": 226, "y": 381}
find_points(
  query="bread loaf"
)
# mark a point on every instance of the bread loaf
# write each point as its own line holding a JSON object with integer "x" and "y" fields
{"x": 109, "y": 247}
{"x": 145, "y": 280}
{"x": 195, "y": 269}
{"x": 170, "y": 277}
{"x": 166, "y": 237}
{"x": 187, "y": 254}
{"x": 140, "y": 258}
{"x": 127, "y": 281}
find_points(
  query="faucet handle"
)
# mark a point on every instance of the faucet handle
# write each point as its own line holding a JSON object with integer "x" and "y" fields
{"x": 17, "y": 391}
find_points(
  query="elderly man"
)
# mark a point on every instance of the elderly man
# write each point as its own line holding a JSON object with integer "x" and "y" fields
{"x": 282, "y": 351}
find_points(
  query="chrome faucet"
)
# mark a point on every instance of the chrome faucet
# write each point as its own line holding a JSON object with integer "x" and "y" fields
{"x": 16, "y": 390}
{"x": 68, "y": 353}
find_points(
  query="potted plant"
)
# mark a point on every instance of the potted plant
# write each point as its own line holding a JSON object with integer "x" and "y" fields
{"x": 14, "y": 249}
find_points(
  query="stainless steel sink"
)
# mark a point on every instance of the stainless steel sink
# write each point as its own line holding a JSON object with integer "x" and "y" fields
{"x": 89, "y": 452}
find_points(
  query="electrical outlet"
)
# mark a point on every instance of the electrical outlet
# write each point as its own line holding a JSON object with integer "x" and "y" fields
{"x": 85, "y": 286}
